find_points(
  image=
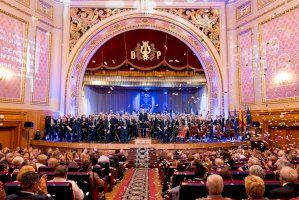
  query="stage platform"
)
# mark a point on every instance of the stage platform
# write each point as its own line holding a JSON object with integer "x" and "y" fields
{"x": 138, "y": 143}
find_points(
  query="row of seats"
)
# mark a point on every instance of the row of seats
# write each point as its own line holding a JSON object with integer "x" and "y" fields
{"x": 180, "y": 176}
{"x": 58, "y": 190}
{"x": 232, "y": 189}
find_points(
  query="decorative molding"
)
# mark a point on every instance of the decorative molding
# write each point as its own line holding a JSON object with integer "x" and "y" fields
{"x": 240, "y": 67}
{"x": 262, "y": 55}
{"x": 46, "y": 102}
{"x": 82, "y": 19}
{"x": 263, "y": 3}
{"x": 243, "y": 10}
{"x": 206, "y": 20}
{"x": 44, "y": 8}
{"x": 24, "y": 58}
{"x": 24, "y": 2}
{"x": 135, "y": 20}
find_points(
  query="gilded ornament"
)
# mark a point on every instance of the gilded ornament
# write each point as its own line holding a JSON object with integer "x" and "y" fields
{"x": 205, "y": 19}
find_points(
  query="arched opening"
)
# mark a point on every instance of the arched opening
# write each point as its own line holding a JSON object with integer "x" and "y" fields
{"x": 148, "y": 69}
{"x": 107, "y": 29}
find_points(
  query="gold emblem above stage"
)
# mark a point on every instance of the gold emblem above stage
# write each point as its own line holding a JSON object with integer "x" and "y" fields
{"x": 145, "y": 52}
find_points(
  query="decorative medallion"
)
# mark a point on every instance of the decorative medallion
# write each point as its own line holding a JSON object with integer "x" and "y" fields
{"x": 145, "y": 52}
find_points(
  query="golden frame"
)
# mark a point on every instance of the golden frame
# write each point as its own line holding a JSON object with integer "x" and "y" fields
{"x": 263, "y": 81}
{"x": 261, "y": 5}
{"x": 23, "y": 74}
{"x": 239, "y": 67}
{"x": 49, "y": 66}
{"x": 238, "y": 16}
{"x": 38, "y": 10}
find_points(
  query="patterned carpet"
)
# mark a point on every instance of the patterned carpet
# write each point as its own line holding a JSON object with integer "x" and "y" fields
{"x": 138, "y": 187}
{"x": 141, "y": 183}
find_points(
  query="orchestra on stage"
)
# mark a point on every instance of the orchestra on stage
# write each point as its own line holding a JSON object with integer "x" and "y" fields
{"x": 115, "y": 127}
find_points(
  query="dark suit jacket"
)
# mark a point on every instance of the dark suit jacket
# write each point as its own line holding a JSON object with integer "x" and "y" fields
{"x": 27, "y": 196}
{"x": 286, "y": 192}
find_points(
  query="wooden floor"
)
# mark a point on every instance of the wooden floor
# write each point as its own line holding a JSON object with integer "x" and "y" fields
{"x": 146, "y": 144}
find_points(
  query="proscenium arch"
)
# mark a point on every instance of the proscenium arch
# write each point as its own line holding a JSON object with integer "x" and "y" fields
{"x": 95, "y": 37}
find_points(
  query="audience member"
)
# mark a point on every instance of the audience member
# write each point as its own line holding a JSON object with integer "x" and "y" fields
{"x": 214, "y": 187}
{"x": 287, "y": 178}
{"x": 32, "y": 188}
{"x": 60, "y": 175}
{"x": 257, "y": 171}
{"x": 255, "y": 187}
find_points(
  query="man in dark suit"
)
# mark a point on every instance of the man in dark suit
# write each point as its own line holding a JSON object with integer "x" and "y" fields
{"x": 288, "y": 190}
{"x": 143, "y": 118}
{"x": 32, "y": 188}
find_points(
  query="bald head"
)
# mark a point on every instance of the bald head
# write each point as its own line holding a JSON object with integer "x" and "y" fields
{"x": 214, "y": 184}
{"x": 288, "y": 174}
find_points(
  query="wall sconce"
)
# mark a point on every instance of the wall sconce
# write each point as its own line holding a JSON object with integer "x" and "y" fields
{"x": 1, "y": 117}
{"x": 4, "y": 74}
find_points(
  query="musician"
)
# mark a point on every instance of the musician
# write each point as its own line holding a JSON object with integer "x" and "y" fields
{"x": 143, "y": 119}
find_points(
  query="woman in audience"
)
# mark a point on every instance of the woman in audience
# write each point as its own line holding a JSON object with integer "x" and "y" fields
{"x": 257, "y": 171}
{"x": 97, "y": 184}
{"x": 255, "y": 187}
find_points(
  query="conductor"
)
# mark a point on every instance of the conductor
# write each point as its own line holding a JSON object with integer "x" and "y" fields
{"x": 143, "y": 118}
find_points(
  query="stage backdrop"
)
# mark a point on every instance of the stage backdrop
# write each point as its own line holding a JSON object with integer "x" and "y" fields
{"x": 121, "y": 99}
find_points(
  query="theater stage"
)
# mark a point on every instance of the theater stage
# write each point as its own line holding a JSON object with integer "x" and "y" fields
{"x": 138, "y": 143}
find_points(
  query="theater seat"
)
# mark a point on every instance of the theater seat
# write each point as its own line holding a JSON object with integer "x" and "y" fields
{"x": 192, "y": 189}
{"x": 12, "y": 188}
{"x": 50, "y": 175}
{"x": 83, "y": 181}
{"x": 178, "y": 177}
{"x": 45, "y": 169}
{"x": 5, "y": 177}
{"x": 60, "y": 190}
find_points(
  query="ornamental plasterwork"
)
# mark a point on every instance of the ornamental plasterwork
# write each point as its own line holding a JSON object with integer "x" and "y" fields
{"x": 263, "y": 3}
{"x": 82, "y": 19}
{"x": 206, "y": 19}
{"x": 243, "y": 10}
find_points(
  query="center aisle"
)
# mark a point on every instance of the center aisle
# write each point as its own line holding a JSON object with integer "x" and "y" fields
{"x": 141, "y": 183}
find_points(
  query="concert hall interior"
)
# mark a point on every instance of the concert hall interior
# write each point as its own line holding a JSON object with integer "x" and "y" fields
{"x": 149, "y": 99}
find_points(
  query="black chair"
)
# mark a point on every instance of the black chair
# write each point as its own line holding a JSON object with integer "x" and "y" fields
{"x": 99, "y": 170}
{"x": 192, "y": 190}
{"x": 60, "y": 190}
{"x": 83, "y": 181}
{"x": 12, "y": 188}
{"x": 234, "y": 189}
{"x": 178, "y": 177}
{"x": 238, "y": 175}
{"x": 73, "y": 169}
{"x": 45, "y": 169}
{"x": 5, "y": 177}
{"x": 50, "y": 175}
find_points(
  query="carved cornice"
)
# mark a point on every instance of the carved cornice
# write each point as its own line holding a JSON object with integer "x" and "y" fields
{"x": 205, "y": 19}
{"x": 82, "y": 19}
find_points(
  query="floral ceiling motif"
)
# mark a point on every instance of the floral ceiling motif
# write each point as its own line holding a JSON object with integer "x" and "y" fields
{"x": 82, "y": 19}
{"x": 205, "y": 19}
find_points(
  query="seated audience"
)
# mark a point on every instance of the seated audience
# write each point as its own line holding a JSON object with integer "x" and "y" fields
{"x": 255, "y": 187}
{"x": 32, "y": 188}
{"x": 23, "y": 170}
{"x": 287, "y": 178}
{"x": 53, "y": 163}
{"x": 60, "y": 175}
